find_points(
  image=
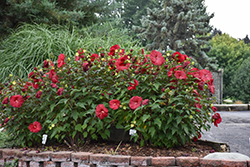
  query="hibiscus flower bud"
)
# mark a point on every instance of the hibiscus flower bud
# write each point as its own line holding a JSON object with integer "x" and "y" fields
{"x": 60, "y": 91}
{"x": 145, "y": 102}
{"x": 6, "y": 120}
{"x": 85, "y": 66}
{"x": 38, "y": 94}
{"x": 5, "y": 100}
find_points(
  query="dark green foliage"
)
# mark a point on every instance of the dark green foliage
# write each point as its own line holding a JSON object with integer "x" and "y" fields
{"x": 64, "y": 12}
{"x": 134, "y": 10}
{"x": 246, "y": 40}
{"x": 180, "y": 26}
{"x": 240, "y": 84}
{"x": 230, "y": 54}
{"x": 215, "y": 32}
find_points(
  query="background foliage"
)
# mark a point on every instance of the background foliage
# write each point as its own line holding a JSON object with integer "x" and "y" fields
{"x": 63, "y": 12}
{"x": 230, "y": 54}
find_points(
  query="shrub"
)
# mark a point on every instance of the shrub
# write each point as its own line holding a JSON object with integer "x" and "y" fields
{"x": 164, "y": 98}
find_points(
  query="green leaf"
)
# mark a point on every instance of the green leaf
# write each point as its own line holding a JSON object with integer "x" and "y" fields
{"x": 85, "y": 134}
{"x": 52, "y": 106}
{"x": 78, "y": 127}
{"x": 158, "y": 122}
{"x": 94, "y": 136}
{"x": 179, "y": 120}
{"x": 73, "y": 134}
{"x": 119, "y": 126}
{"x": 107, "y": 132}
{"x": 145, "y": 117}
{"x": 62, "y": 101}
{"x": 152, "y": 131}
{"x": 84, "y": 126}
{"x": 81, "y": 104}
{"x": 185, "y": 129}
{"x": 142, "y": 143}
{"x": 75, "y": 115}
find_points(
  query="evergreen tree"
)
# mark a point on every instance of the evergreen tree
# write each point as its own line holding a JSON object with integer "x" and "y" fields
{"x": 215, "y": 32}
{"x": 179, "y": 25}
{"x": 133, "y": 10}
{"x": 69, "y": 12}
{"x": 246, "y": 40}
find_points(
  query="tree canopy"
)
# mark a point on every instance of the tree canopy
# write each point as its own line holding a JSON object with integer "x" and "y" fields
{"x": 180, "y": 26}
{"x": 230, "y": 54}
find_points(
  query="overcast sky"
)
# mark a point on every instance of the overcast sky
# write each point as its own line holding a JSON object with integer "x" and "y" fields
{"x": 230, "y": 16}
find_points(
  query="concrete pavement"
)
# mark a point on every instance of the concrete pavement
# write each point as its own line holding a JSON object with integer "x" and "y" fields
{"x": 233, "y": 130}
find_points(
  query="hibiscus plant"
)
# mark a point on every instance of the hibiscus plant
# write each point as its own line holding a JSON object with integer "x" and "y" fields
{"x": 163, "y": 97}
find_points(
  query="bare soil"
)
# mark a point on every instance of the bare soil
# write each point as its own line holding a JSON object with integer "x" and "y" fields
{"x": 193, "y": 149}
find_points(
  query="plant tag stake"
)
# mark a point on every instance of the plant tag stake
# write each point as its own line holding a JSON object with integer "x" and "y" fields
{"x": 44, "y": 138}
{"x": 132, "y": 132}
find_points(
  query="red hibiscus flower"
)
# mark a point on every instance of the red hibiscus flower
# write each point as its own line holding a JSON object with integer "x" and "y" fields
{"x": 135, "y": 102}
{"x": 156, "y": 58}
{"x": 179, "y": 57}
{"x": 38, "y": 94}
{"x": 179, "y": 74}
{"x": 101, "y": 111}
{"x": 216, "y": 119}
{"x": 114, "y": 104}
{"x": 35, "y": 84}
{"x": 171, "y": 71}
{"x": 145, "y": 102}
{"x": 60, "y": 60}
{"x": 35, "y": 127}
{"x": 195, "y": 138}
{"x": 113, "y": 49}
{"x": 195, "y": 72}
{"x": 5, "y": 100}
{"x": 53, "y": 85}
{"x": 77, "y": 58}
{"x": 94, "y": 56}
{"x": 85, "y": 66}
{"x": 59, "y": 91}
{"x": 211, "y": 85}
{"x": 121, "y": 63}
{"x": 214, "y": 109}
{"x": 53, "y": 76}
{"x": 45, "y": 64}
{"x": 133, "y": 86}
{"x": 16, "y": 101}
{"x": 205, "y": 75}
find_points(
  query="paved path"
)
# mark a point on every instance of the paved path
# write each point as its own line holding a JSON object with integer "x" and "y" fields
{"x": 234, "y": 130}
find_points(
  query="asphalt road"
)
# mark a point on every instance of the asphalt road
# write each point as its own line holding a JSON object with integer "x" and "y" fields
{"x": 233, "y": 130}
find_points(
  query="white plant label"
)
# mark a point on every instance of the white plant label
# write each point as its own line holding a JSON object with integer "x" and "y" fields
{"x": 44, "y": 138}
{"x": 132, "y": 132}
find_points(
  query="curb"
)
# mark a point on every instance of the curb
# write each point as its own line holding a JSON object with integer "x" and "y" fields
{"x": 86, "y": 159}
{"x": 232, "y": 107}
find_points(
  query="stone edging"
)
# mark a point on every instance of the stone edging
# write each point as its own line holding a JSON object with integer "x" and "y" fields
{"x": 232, "y": 107}
{"x": 86, "y": 159}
